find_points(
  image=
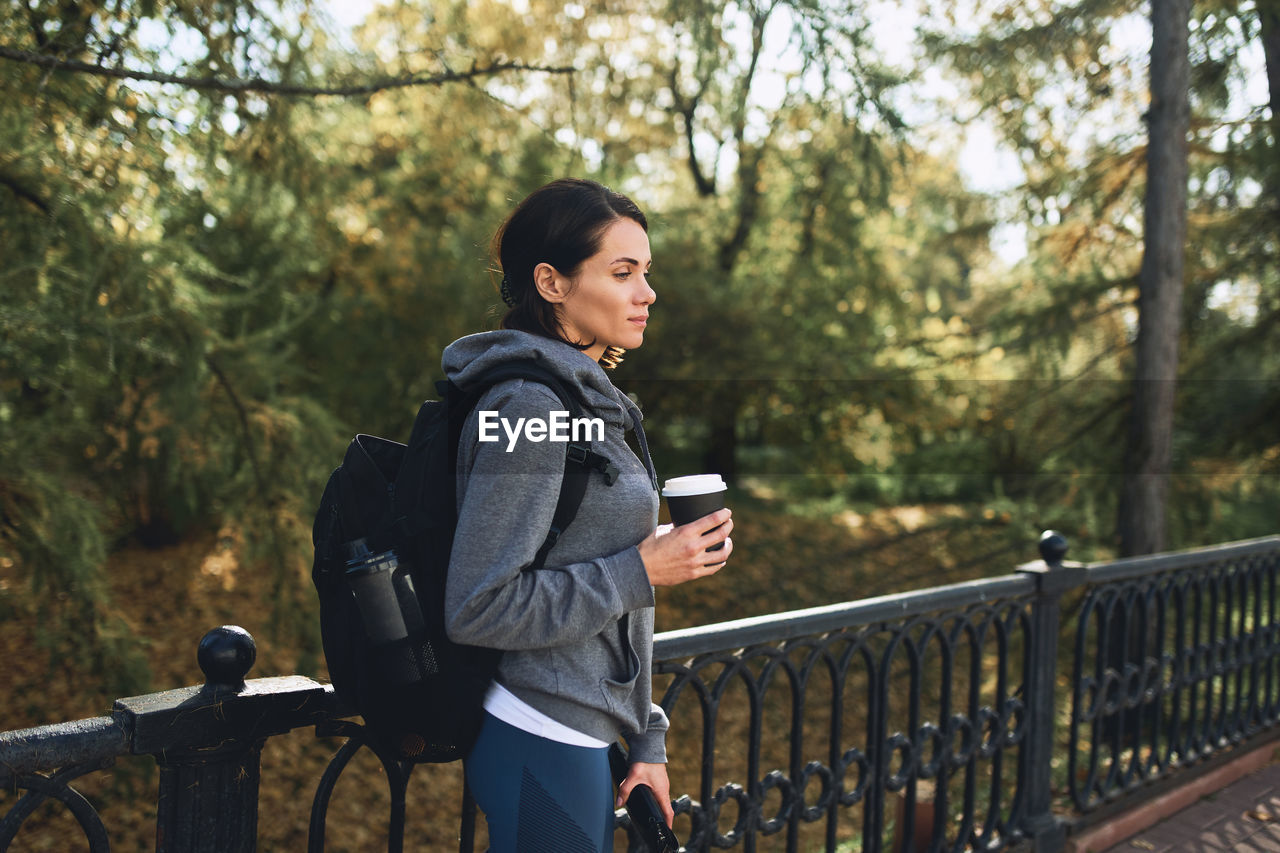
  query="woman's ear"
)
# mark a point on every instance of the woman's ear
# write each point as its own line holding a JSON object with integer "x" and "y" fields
{"x": 552, "y": 286}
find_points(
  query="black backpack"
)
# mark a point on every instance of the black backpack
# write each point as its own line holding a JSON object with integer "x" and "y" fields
{"x": 383, "y": 534}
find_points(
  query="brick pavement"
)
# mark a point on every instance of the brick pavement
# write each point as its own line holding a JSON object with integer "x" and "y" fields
{"x": 1243, "y": 816}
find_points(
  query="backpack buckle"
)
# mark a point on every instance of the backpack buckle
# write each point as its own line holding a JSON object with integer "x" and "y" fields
{"x": 585, "y": 457}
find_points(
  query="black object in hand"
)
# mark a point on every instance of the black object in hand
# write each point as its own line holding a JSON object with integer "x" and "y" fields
{"x": 646, "y": 814}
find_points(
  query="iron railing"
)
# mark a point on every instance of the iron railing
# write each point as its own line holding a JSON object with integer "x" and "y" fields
{"x": 929, "y": 720}
{"x": 854, "y": 704}
{"x": 1175, "y": 660}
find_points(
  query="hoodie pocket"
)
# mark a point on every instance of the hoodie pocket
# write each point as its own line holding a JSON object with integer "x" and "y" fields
{"x": 619, "y": 688}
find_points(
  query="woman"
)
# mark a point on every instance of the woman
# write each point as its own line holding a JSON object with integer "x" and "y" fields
{"x": 578, "y": 633}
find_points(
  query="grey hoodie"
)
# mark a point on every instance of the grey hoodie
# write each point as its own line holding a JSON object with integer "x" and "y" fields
{"x": 578, "y": 634}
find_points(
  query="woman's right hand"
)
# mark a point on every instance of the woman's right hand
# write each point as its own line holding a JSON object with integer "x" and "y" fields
{"x": 674, "y": 555}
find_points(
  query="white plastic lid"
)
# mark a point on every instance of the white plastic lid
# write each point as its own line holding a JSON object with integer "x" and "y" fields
{"x": 693, "y": 484}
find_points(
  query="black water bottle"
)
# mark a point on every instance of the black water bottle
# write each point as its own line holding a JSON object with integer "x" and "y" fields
{"x": 389, "y": 609}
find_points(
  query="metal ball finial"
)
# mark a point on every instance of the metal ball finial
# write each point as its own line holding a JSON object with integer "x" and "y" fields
{"x": 226, "y": 655}
{"x": 1053, "y": 547}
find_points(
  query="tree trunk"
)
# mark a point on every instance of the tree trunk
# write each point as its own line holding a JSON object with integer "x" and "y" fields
{"x": 1269, "y": 25}
{"x": 721, "y": 456}
{"x": 1269, "y": 22}
{"x": 1142, "y": 516}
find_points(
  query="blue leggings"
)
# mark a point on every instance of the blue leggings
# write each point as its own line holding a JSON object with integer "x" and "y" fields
{"x": 541, "y": 795}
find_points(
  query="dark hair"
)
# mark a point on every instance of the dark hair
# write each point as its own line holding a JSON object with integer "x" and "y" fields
{"x": 562, "y": 224}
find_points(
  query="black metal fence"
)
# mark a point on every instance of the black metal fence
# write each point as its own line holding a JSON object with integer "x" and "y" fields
{"x": 980, "y": 715}
{"x": 1175, "y": 659}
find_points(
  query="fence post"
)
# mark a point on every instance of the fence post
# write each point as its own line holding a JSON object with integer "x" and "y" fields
{"x": 207, "y": 742}
{"x": 1046, "y": 832}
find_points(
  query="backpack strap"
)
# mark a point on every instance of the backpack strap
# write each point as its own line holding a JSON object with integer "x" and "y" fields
{"x": 580, "y": 460}
{"x": 583, "y": 456}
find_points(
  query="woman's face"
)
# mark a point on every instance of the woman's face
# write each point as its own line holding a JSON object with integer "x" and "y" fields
{"x": 608, "y": 301}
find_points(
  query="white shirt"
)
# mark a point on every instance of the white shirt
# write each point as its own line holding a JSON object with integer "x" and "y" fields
{"x": 514, "y": 711}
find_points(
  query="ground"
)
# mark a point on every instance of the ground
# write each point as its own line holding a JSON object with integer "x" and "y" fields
{"x": 171, "y": 596}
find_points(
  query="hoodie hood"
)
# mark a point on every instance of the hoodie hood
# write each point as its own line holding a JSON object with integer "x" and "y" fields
{"x": 469, "y": 357}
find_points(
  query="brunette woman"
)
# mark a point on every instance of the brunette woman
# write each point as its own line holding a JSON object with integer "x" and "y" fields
{"x": 577, "y": 634}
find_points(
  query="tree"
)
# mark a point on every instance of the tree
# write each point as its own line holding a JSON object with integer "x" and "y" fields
{"x": 1269, "y": 24}
{"x": 1143, "y": 524}
{"x": 1061, "y": 87}
{"x": 766, "y": 178}
{"x": 183, "y": 256}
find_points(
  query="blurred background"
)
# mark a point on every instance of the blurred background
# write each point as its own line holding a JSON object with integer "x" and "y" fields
{"x": 897, "y": 248}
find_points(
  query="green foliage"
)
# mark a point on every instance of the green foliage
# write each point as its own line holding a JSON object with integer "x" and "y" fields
{"x": 1062, "y": 84}
{"x": 144, "y": 347}
{"x": 206, "y": 291}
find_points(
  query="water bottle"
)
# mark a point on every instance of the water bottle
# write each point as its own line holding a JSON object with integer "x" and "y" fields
{"x": 372, "y": 581}
{"x": 389, "y": 609}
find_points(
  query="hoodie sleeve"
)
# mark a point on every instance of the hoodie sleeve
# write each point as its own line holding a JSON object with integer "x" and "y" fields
{"x": 507, "y": 500}
{"x": 650, "y": 746}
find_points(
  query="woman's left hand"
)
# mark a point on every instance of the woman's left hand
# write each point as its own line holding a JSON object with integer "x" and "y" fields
{"x": 653, "y": 775}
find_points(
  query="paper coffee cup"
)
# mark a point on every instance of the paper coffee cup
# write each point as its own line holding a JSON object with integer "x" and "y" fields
{"x": 690, "y": 498}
